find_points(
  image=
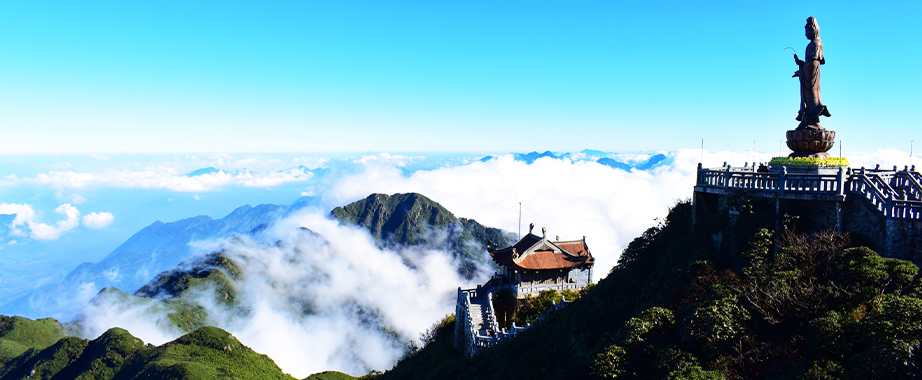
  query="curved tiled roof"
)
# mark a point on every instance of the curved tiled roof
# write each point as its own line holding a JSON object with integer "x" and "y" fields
{"x": 535, "y": 253}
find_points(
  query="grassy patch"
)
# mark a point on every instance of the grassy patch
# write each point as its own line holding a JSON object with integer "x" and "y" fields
{"x": 17, "y": 335}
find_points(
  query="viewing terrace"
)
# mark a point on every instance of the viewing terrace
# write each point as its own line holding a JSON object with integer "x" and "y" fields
{"x": 895, "y": 194}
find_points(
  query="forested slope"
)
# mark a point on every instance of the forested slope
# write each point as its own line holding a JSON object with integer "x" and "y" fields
{"x": 678, "y": 307}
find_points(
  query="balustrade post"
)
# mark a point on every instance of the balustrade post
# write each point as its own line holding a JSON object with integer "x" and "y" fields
{"x": 782, "y": 177}
{"x": 699, "y": 175}
{"x": 840, "y": 181}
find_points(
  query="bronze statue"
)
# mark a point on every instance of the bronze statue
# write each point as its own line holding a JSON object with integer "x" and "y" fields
{"x": 810, "y": 139}
{"x": 811, "y": 105}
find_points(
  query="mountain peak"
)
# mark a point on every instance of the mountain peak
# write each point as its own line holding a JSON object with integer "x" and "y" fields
{"x": 400, "y": 218}
{"x": 202, "y": 171}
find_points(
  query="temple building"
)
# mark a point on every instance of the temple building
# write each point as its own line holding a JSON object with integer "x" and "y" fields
{"x": 535, "y": 263}
{"x": 528, "y": 267}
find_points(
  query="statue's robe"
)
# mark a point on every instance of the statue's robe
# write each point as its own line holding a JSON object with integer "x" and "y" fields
{"x": 811, "y": 105}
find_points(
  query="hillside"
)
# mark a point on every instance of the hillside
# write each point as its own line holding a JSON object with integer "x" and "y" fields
{"x": 18, "y": 335}
{"x": 206, "y": 353}
{"x": 675, "y": 307}
{"x": 413, "y": 219}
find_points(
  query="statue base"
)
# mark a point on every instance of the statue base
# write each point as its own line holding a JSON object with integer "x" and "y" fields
{"x": 811, "y": 155}
{"x": 811, "y": 141}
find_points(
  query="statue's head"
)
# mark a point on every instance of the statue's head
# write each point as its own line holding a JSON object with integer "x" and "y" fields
{"x": 812, "y": 29}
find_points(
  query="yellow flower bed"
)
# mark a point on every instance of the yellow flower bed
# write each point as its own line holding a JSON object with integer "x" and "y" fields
{"x": 807, "y": 161}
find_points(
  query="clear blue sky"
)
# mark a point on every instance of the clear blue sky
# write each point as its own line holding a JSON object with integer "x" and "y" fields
{"x": 315, "y": 76}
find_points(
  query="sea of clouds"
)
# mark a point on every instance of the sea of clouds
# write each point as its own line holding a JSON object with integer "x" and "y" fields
{"x": 335, "y": 300}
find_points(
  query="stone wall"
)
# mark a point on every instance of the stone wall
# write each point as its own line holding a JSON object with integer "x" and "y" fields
{"x": 890, "y": 237}
{"x": 581, "y": 276}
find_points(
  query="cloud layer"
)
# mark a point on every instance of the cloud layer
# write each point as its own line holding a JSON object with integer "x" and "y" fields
{"x": 315, "y": 300}
{"x": 162, "y": 178}
{"x": 26, "y": 220}
{"x": 333, "y": 300}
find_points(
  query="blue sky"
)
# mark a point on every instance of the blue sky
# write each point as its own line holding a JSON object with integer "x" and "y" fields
{"x": 325, "y": 76}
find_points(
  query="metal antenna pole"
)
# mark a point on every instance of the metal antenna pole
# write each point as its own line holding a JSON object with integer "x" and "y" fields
{"x": 520, "y": 220}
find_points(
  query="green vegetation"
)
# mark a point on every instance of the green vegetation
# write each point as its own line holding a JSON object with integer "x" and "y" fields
{"x": 413, "y": 219}
{"x": 17, "y": 335}
{"x": 330, "y": 375}
{"x": 207, "y": 353}
{"x": 216, "y": 271}
{"x": 806, "y": 161}
{"x": 440, "y": 327}
{"x": 678, "y": 307}
{"x": 401, "y": 218}
{"x": 533, "y": 306}
{"x": 175, "y": 290}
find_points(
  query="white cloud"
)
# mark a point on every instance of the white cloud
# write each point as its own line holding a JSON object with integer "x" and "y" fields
{"x": 147, "y": 320}
{"x": 26, "y": 219}
{"x": 313, "y": 302}
{"x": 886, "y": 158}
{"x": 42, "y": 231}
{"x": 163, "y": 177}
{"x": 97, "y": 220}
{"x": 24, "y": 214}
{"x": 311, "y": 162}
{"x": 387, "y": 158}
{"x": 572, "y": 199}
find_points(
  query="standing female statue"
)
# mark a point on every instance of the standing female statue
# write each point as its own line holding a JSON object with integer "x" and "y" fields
{"x": 811, "y": 105}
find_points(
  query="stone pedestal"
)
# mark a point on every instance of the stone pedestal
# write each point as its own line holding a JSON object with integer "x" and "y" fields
{"x": 810, "y": 142}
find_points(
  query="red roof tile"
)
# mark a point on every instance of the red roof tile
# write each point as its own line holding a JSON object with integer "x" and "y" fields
{"x": 575, "y": 253}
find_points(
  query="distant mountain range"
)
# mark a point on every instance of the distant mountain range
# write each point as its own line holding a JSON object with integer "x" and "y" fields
{"x": 158, "y": 247}
{"x": 604, "y": 158}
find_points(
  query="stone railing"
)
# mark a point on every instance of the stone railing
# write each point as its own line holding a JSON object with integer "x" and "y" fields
{"x": 909, "y": 184}
{"x": 773, "y": 181}
{"x": 896, "y": 194}
{"x": 873, "y": 194}
{"x": 879, "y": 188}
{"x": 472, "y": 340}
{"x": 465, "y": 334}
{"x": 468, "y": 340}
{"x": 522, "y": 290}
{"x": 906, "y": 209}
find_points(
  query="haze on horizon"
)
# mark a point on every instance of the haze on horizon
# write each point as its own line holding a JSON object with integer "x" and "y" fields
{"x": 176, "y": 77}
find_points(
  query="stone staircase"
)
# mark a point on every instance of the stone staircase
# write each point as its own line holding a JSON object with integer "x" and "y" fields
{"x": 475, "y": 322}
{"x": 481, "y": 317}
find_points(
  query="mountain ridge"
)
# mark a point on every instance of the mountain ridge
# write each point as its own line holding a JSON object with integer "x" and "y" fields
{"x": 156, "y": 248}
